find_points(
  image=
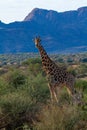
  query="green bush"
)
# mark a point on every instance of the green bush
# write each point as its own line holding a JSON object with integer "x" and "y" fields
{"x": 15, "y": 78}
{"x": 3, "y": 86}
{"x": 18, "y": 107}
{"x": 32, "y": 61}
{"x": 81, "y": 85}
{"x": 38, "y": 89}
{"x": 25, "y": 101}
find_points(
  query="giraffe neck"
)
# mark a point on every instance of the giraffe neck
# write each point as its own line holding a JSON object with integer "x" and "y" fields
{"x": 46, "y": 61}
{"x": 43, "y": 53}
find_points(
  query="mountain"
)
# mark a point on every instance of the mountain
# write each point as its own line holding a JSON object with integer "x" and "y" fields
{"x": 61, "y": 32}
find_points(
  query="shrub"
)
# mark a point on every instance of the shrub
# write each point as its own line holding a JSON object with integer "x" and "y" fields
{"x": 23, "y": 104}
{"x": 32, "y": 61}
{"x": 81, "y": 84}
{"x": 18, "y": 108}
{"x": 15, "y": 78}
{"x": 37, "y": 88}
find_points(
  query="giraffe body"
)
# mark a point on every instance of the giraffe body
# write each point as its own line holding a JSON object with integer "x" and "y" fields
{"x": 58, "y": 77}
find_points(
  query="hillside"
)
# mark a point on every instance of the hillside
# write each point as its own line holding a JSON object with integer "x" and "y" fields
{"x": 61, "y": 32}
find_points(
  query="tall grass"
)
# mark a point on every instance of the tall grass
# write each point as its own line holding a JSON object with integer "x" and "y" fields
{"x": 66, "y": 117}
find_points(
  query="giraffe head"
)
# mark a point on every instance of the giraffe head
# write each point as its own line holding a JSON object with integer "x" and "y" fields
{"x": 37, "y": 41}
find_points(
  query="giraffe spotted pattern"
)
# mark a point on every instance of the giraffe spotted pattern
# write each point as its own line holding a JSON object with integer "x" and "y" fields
{"x": 58, "y": 77}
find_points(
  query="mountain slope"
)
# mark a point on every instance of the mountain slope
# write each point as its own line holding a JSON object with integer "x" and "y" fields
{"x": 60, "y": 32}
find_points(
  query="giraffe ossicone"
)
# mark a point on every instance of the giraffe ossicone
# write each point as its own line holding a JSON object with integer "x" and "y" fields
{"x": 58, "y": 77}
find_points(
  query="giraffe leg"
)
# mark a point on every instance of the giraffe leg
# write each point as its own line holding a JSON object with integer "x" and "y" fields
{"x": 68, "y": 90}
{"x": 58, "y": 91}
{"x": 72, "y": 93}
{"x": 53, "y": 93}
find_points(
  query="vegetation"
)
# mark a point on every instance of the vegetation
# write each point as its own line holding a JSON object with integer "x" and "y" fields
{"x": 25, "y": 98}
{"x": 10, "y": 59}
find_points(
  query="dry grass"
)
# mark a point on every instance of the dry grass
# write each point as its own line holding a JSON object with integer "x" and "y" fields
{"x": 66, "y": 117}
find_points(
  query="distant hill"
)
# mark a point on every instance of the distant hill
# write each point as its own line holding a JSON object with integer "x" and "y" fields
{"x": 61, "y": 32}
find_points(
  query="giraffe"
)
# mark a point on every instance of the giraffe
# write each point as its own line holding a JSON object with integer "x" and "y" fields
{"x": 57, "y": 76}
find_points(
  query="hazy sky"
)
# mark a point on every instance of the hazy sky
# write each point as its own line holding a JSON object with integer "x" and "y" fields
{"x": 16, "y": 10}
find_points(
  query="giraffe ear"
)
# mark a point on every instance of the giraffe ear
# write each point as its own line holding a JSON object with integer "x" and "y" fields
{"x": 37, "y": 40}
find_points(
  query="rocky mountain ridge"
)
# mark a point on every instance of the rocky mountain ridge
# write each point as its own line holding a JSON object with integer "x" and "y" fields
{"x": 61, "y": 32}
